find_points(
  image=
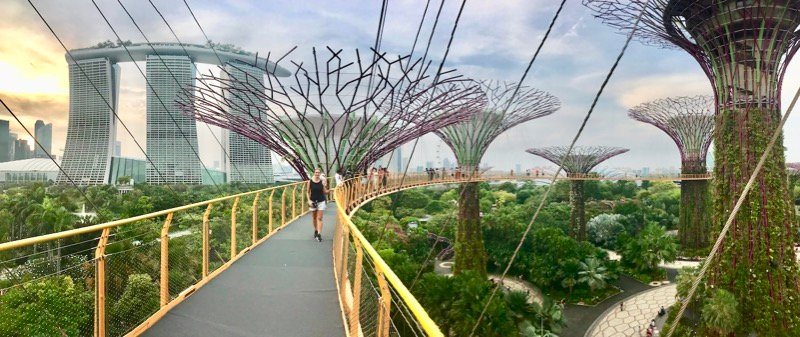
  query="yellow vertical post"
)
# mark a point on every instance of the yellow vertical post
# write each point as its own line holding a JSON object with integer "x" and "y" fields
{"x": 164, "y": 277}
{"x": 205, "y": 240}
{"x": 100, "y": 286}
{"x": 283, "y": 206}
{"x": 233, "y": 227}
{"x": 384, "y": 306}
{"x": 270, "y": 211}
{"x": 355, "y": 311}
{"x": 294, "y": 202}
{"x": 255, "y": 218}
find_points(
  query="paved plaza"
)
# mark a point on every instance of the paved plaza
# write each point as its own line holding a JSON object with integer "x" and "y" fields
{"x": 637, "y": 313}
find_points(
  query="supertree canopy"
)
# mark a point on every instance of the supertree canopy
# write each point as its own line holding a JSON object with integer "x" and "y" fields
{"x": 744, "y": 48}
{"x": 577, "y": 164}
{"x": 335, "y": 113}
{"x": 507, "y": 105}
{"x": 503, "y": 110}
{"x": 689, "y": 121}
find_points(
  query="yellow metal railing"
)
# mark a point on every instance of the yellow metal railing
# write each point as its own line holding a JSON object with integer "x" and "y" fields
{"x": 176, "y": 250}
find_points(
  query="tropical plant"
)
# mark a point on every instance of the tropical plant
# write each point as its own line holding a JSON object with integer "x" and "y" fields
{"x": 604, "y": 229}
{"x": 648, "y": 250}
{"x": 593, "y": 273}
{"x": 720, "y": 313}
{"x": 550, "y": 314}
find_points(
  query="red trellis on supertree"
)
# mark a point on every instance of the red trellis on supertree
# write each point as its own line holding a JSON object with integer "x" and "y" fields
{"x": 337, "y": 113}
{"x": 744, "y": 48}
{"x": 689, "y": 121}
{"x": 580, "y": 162}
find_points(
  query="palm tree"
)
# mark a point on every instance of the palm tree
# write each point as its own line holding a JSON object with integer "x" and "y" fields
{"x": 550, "y": 314}
{"x": 651, "y": 248}
{"x": 519, "y": 306}
{"x": 593, "y": 273}
{"x": 48, "y": 217}
{"x": 569, "y": 282}
{"x": 720, "y": 313}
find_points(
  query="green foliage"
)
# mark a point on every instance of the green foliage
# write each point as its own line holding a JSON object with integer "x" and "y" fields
{"x": 593, "y": 274}
{"x": 437, "y": 206}
{"x": 455, "y": 303}
{"x": 650, "y": 248}
{"x": 52, "y": 306}
{"x": 604, "y": 230}
{"x": 720, "y": 313}
{"x": 139, "y": 300}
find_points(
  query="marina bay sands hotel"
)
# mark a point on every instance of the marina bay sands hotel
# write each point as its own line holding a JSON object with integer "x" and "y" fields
{"x": 94, "y": 76}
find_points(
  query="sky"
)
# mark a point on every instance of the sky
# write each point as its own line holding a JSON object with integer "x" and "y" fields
{"x": 494, "y": 40}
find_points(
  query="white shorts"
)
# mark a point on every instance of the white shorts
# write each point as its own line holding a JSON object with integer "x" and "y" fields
{"x": 320, "y": 206}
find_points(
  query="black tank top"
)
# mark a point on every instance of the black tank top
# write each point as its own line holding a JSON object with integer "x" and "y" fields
{"x": 317, "y": 190}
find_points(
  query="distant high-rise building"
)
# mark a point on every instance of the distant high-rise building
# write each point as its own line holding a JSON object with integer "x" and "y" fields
{"x": 429, "y": 164}
{"x": 398, "y": 159}
{"x": 446, "y": 163}
{"x": 117, "y": 148}
{"x": 22, "y": 150}
{"x": 249, "y": 161}
{"x": 44, "y": 136}
{"x": 518, "y": 168}
{"x": 92, "y": 127}
{"x": 645, "y": 171}
{"x": 171, "y": 135}
{"x": 5, "y": 142}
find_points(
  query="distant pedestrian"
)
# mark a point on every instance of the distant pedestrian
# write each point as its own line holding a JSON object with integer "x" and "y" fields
{"x": 621, "y": 306}
{"x": 338, "y": 177}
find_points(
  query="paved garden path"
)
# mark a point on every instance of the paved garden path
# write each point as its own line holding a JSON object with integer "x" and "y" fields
{"x": 636, "y": 316}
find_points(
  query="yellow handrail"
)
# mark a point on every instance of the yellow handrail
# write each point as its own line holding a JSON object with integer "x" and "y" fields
{"x": 117, "y": 223}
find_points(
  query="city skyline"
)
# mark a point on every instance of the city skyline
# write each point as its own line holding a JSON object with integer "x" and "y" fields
{"x": 567, "y": 68}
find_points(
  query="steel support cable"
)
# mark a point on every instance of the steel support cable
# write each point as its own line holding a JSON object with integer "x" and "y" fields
{"x": 164, "y": 105}
{"x": 175, "y": 78}
{"x": 435, "y": 79}
{"x": 225, "y": 152}
{"x": 560, "y": 168}
{"x": 113, "y": 110}
{"x": 510, "y": 102}
{"x": 715, "y": 249}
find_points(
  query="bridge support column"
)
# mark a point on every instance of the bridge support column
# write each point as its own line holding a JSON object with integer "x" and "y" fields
{"x": 164, "y": 276}
{"x": 255, "y": 218}
{"x": 355, "y": 311}
{"x": 269, "y": 221}
{"x": 205, "y": 240}
{"x": 100, "y": 286}
{"x": 384, "y": 306}
{"x": 233, "y": 227}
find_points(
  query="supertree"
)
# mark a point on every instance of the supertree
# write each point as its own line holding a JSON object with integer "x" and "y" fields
{"x": 578, "y": 164}
{"x": 744, "y": 48}
{"x": 506, "y": 106}
{"x": 336, "y": 113}
{"x": 689, "y": 121}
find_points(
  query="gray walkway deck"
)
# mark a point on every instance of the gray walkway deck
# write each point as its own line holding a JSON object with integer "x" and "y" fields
{"x": 284, "y": 287}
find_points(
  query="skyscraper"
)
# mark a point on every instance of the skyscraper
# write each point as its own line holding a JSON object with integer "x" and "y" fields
{"x": 5, "y": 142}
{"x": 44, "y": 135}
{"x": 92, "y": 127}
{"x": 398, "y": 159}
{"x": 22, "y": 149}
{"x": 248, "y": 161}
{"x": 171, "y": 135}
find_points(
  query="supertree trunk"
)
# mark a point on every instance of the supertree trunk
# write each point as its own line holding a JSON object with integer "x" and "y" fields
{"x": 577, "y": 221}
{"x": 694, "y": 225}
{"x": 469, "y": 249}
{"x": 757, "y": 261}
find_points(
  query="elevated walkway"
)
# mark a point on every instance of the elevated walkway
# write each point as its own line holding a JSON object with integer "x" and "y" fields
{"x": 284, "y": 287}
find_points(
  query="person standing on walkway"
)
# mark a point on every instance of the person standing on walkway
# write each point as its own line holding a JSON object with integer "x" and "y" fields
{"x": 317, "y": 192}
